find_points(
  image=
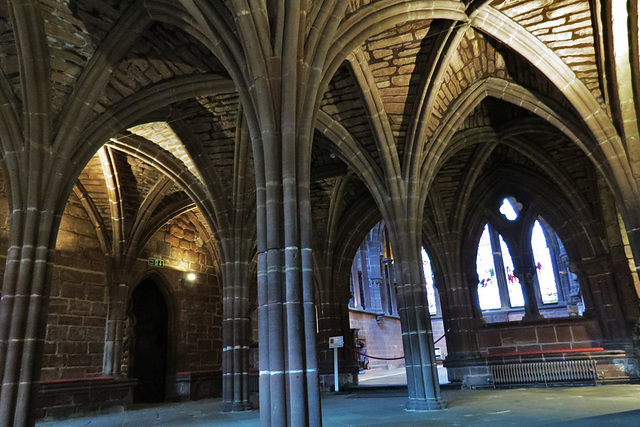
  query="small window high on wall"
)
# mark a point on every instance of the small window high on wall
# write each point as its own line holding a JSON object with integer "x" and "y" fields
{"x": 510, "y": 208}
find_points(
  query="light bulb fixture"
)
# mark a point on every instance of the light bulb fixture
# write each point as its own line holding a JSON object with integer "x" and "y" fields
{"x": 189, "y": 279}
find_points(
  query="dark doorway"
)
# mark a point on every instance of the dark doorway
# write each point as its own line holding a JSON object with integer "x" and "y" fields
{"x": 150, "y": 317}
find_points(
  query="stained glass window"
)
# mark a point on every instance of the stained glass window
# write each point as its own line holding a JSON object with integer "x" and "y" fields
{"x": 513, "y": 284}
{"x": 544, "y": 267}
{"x": 428, "y": 282}
{"x": 488, "y": 291}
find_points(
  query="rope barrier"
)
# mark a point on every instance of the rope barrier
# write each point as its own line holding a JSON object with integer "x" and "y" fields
{"x": 436, "y": 341}
{"x": 383, "y": 358}
{"x": 373, "y": 357}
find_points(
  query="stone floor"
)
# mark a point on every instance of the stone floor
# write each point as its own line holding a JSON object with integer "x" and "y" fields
{"x": 604, "y": 405}
{"x": 394, "y": 377}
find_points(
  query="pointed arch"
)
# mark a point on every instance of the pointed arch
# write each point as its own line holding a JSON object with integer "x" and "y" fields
{"x": 378, "y": 118}
{"x": 378, "y": 16}
{"x": 96, "y": 76}
{"x": 116, "y": 200}
{"x": 11, "y": 132}
{"x": 131, "y": 109}
{"x": 354, "y": 155}
{"x": 605, "y": 144}
{"x": 161, "y": 218}
{"x": 143, "y": 216}
{"x": 509, "y": 135}
{"x": 518, "y": 95}
{"x": 94, "y": 215}
{"x": 171, "y": 167}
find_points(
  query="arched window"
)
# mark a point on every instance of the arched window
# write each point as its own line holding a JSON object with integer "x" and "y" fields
{"x": 488, "y": 290}
{"x": 500, "y": 292}
{"x": 516, "y": 298}
{"x": 544, "y": 265}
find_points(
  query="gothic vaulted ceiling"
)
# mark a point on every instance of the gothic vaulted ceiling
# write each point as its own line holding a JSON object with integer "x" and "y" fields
{"x": 440, "y": 70}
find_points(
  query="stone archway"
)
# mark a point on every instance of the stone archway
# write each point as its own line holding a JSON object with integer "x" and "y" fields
{"x": 149, "y": 347}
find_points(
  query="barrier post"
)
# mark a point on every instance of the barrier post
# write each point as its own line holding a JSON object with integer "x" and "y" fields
{"x": 335, "y": 343}
{"x": 335, "y": 369}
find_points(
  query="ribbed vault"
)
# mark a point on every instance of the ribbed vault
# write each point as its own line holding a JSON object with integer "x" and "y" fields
{"x": 289, "y": 129}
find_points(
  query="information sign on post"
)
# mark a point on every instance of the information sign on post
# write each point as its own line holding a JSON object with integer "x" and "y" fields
{"x": 335, "y": 343}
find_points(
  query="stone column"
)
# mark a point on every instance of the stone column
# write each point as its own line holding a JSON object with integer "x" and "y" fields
{"x": 634, "y": 244}
{"x": 23, "y": 313}
{"x": 457, "y": 313}
{"x": 461, "y": 312}
{"x": 417, "y": 337}
{"x": 115, "y": 331}
{"x": 606, "y": 304}
{"x": 584, "y": 289}
{"x": 373, "y": 247}
{"x": 494, "y": 238}
{"x": 36, "y": 188}
{"x": 355, "y": 280}
{"x": 366, "y": 285}
{"x": 422, "y": 375}
{"x": 526, "y": 275}
{"x": 389, "y": 276}
{"x": 475, "y": 299}
{"x": 236, "y": 330}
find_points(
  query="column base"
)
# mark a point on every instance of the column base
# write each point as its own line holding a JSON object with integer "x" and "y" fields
{"x": 345, "y": 380}
{"x": 532, "y": 316}
{"x": 236, "y": 406}
{"x": 421, "y": 405}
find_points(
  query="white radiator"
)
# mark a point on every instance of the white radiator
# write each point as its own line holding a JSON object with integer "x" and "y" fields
{"x": 544, "y": 372}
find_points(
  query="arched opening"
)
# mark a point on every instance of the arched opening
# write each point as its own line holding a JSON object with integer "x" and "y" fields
{"x": 373, "y": 311}
{"x": 149, "y": 317}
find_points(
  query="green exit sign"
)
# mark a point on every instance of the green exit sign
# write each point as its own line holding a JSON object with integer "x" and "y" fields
{"x": 156, "y": 262}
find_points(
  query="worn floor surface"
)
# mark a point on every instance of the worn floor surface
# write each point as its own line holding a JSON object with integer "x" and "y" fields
{"x": 604, "y": 405}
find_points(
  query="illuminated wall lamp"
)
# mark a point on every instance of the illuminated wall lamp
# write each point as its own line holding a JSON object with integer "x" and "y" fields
{"x": 189, "y": 279}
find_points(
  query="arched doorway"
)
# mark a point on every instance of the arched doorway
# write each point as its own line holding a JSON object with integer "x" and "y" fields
{"x": 149, "y": 345}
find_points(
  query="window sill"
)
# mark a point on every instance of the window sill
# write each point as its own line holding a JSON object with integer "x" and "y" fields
{"x": 374, "y": 313}
{"x": 550, "y": 320}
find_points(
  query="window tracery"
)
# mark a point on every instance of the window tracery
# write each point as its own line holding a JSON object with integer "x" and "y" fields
{"x": 499, "y": 289}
